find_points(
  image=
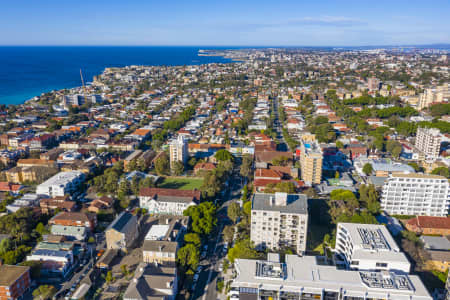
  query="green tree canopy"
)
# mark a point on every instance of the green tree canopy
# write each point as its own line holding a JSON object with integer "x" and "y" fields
{"x": 368, "y": 169}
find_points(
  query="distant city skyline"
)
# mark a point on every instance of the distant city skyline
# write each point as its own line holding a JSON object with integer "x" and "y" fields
{"x": 239, "y": 23}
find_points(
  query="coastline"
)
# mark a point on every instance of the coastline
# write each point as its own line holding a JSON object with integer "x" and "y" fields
{"x": 36, "y": 70}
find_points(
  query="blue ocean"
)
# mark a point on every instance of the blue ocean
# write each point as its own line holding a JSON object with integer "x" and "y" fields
{"x": 26, "y": 72}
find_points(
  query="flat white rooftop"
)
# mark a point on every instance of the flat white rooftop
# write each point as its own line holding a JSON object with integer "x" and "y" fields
{"x": 304, "y": 275}
{"x": 157, "y": 232}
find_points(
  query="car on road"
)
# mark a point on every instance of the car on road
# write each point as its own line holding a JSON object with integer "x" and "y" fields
{"x": 203, "y": 255}
{"x": 196, "y": 276}
{"x": 199, "y": 269}
{"x": 205, "y": 248}
{"x": 221, "y": 267}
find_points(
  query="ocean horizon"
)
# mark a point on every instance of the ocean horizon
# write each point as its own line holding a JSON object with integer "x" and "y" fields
{"x": 29, "y": 71}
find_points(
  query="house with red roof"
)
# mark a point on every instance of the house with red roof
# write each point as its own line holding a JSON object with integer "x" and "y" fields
{"x": 429, "y": 225}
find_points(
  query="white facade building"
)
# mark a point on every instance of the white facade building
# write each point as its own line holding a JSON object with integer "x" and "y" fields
{"x": 279, "y": 220}
{"x": 179, "y": 150}
{"x": 416, "y": 194}
{"x": 61, "y": 184}
{"x": 303, "y": 278}
{"x": 369, "y": 247}
{"x": 428, "y": 140}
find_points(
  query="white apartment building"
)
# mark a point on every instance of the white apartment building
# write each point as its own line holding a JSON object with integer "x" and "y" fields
{"x": 416, "y": 194}
{"x": 179, "y": 150}
{"x": 61, "y": 184}
{"x": 369, "y": 247}
{"x": 167, "y": 201}
{"x": 279, "y": 220}
{"x": 304, "y": 278}
{"x": 428, "y": 140}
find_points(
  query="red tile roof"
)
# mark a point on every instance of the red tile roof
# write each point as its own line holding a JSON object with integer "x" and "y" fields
{"x": 430, "y": 222}
{"x": 152, "y": 192}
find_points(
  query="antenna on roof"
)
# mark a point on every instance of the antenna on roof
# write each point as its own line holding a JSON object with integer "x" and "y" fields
{"x": 84, "y": 87}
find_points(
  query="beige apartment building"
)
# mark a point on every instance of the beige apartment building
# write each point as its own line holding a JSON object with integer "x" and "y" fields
{"x": 279, "y": 220}
{"x": 433, "y": 95}
{"x": 179, "y": 150}
{"x": 428, "y": 141}
{"x": 310, "y": 160}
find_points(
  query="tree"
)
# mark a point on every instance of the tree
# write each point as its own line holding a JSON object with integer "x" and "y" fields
{"x": 193, "y": 238}
{"x": 124, "y": 269}
{"x": 339, "y": 145}
{"x": 44, "y": 292}
{"x": 367, "y": 169}
{"x": 203, "y": 217}
{"x": 162, "y": 165}
{"x": 442, "y": 171}
{"x": 212, "y": 183}
{"x": 242, "y": 249}
{"x": 397, "y": 151}
{"x": 246, "y": 166}
{"x": 177, "y": 168}
{"x": 247, "y": 208}
{"x": 228, "y": 234}
{"x": 188, "y": 257}
{"x": 234, "y": 211}
{"x": 223, "y": 155}
{"x": 109, "y": 277}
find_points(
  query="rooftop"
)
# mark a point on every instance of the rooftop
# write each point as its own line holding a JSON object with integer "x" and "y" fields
{"x": 304, "y": 274}
{"x": 11, "y": 273}
{"x": 295, "y": 203}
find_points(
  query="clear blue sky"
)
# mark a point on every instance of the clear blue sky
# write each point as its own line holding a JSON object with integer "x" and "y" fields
{"x": 243, "y": 22}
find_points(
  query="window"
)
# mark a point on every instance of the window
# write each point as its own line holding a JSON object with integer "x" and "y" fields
{"x": 355, "y": 262}
{"x": 381, "y": 265}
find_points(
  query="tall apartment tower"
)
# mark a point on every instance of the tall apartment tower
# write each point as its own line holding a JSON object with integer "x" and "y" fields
{"x": 310, "y": 160}
{"x": 279, "y": 220}
{"x": 428, "y": 140}
{"x": 179, "y": 150}
{"x": 416, "y": 194}
{"x": 373, "y": 84}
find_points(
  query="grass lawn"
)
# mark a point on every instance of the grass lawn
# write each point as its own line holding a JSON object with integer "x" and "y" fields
{"x": 181, "y": 183}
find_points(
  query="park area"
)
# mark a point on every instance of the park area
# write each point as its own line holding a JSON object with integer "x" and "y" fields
{"x": 181, "y": 183}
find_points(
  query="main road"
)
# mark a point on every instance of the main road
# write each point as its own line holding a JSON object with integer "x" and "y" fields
{"x": 205, "y": 288}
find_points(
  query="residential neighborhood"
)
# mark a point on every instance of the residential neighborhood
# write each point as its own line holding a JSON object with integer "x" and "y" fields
{"x": 284, "y": 174}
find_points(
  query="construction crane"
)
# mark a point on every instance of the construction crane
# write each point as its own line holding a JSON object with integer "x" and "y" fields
{"x": 84, "y": 87}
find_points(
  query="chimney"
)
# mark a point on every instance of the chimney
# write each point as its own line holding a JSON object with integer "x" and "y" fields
{"x": 168, "y": 284}
{"x": 167, "y": 221}
{"x": 271, "y": 200}
{"x": 135, "y": 280}
{"x": 281, "y": 199}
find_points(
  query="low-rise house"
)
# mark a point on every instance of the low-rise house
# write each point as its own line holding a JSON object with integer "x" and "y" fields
{"x": 27, "y": 200}
{"x": 98, "y": 204}
{"x": 14, "y": 282}
{"x": 122, "y": 232}
{"x": 70, "y": 232}
{"x": 438, "y": 249}
{"x": 429, "y": 225}
{"x": 77, "y": 219}
{"x": 167, "y": 201}
{"x": 49, "y": 205}
{"x": 153, "y": 282}
{"x": 203, "y": 167}
{"x": 55, "y": 263}
{"x": 163, "y": 239}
